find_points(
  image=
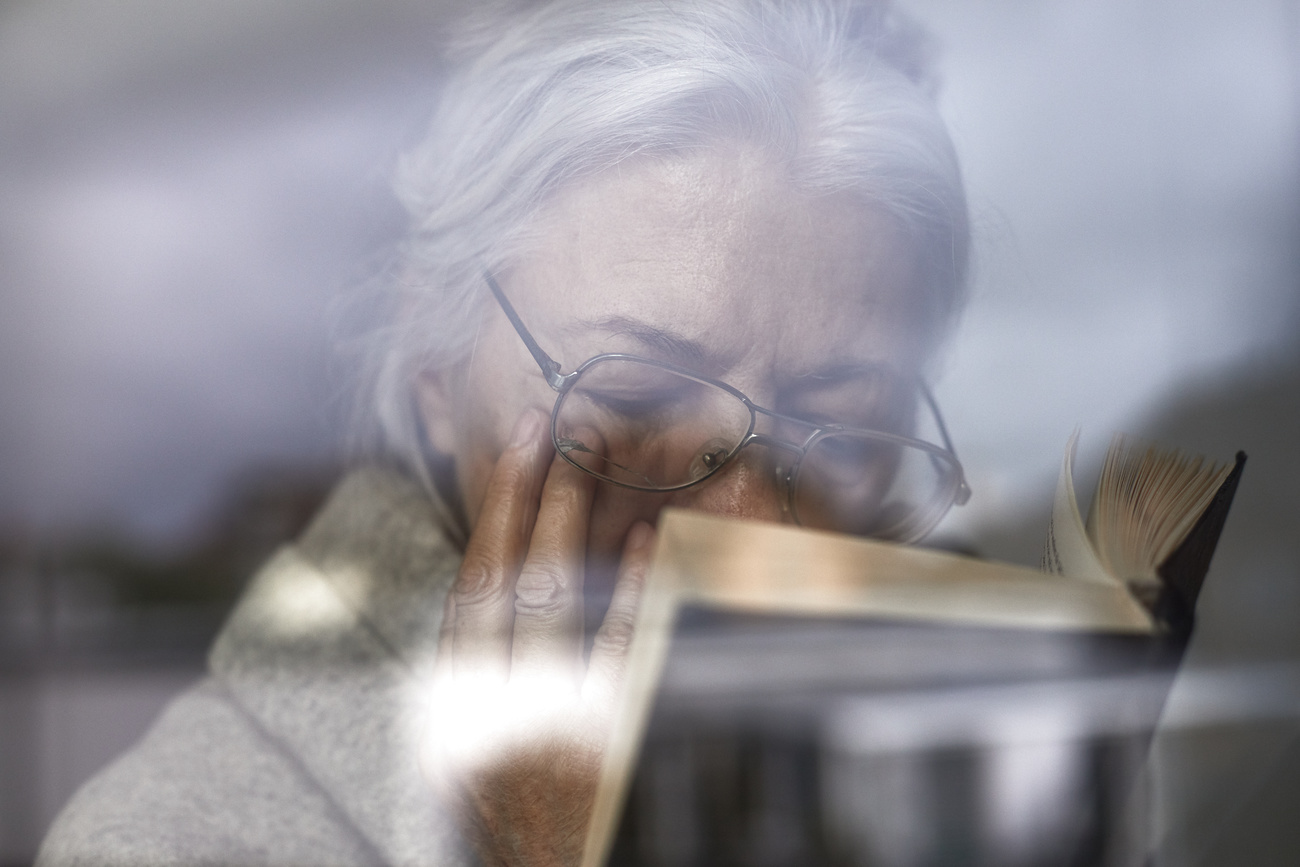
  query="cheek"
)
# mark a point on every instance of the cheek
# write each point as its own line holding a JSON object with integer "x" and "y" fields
{"x": 493, "y": 405}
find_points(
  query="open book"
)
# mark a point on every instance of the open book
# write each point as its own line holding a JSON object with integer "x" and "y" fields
{"x": 747, "y": 628}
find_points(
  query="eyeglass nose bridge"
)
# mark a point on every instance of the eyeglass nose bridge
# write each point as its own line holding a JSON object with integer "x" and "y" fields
{"x": 784, "y": 475}
{"x": 772, "y": 443}
{"x": 754, "y": 437}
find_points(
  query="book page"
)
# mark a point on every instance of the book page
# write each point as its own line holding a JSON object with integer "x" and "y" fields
{"x": 1068, "y": 551}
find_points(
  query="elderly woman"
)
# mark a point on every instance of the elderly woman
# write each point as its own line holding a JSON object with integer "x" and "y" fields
{"x": 682, "y": 253}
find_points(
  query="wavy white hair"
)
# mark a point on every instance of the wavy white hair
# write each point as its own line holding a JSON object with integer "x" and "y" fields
{"x": 547, "y": 93}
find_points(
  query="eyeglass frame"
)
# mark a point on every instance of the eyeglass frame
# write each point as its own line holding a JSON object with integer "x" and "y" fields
{"x": 561, "y": 383}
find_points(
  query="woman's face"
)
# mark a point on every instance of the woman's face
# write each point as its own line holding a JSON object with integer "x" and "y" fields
{"x": 713, "y": 263}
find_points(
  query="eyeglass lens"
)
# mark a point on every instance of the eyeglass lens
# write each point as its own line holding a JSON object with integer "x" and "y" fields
{"x": 648, "y": 427}
{"x": 872, "y": 486}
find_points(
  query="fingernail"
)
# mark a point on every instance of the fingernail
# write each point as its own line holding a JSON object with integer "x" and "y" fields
{"x": 526, "y": 429}
{"x": 639, "y": 536}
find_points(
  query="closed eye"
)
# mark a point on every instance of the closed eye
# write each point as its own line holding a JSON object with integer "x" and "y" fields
{"x": 634, "y": 404}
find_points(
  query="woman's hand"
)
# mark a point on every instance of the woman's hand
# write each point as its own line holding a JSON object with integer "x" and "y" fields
{"x": 520, "y": 722}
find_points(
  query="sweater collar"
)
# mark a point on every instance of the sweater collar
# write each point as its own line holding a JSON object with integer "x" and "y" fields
{"x": 330, "y": 645}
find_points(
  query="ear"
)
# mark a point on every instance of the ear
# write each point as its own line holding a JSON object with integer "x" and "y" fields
{"x": 437, "y": 396}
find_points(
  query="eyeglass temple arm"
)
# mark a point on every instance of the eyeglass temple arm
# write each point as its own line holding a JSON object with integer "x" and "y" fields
{"x": 963, "y": 489}
{"x": 550, "y": 367}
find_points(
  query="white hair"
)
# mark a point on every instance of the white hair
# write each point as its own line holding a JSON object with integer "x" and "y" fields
{"x": 544, "y": 94}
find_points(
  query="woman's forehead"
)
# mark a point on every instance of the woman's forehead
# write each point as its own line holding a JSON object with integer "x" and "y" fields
{"x": 718, "y": 257}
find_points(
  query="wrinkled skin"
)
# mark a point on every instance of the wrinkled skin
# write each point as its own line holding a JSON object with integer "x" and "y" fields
{"x": 712, "y": 262}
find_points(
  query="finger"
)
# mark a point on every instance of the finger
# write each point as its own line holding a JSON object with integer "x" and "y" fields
{"x": 548, "y": 594}
{"x": 482, "y": 604}
{"x": 610, "y": 648}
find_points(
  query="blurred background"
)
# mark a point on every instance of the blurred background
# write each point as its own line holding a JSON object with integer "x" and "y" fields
{"x": 189, "y": 191}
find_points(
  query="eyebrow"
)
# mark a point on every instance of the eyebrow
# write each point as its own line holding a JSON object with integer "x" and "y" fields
{"x": 842, "y": 371}
{"x": 663, "y": 342}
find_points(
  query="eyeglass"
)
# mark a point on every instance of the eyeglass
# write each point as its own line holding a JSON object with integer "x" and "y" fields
{"x": 649, "y": 425}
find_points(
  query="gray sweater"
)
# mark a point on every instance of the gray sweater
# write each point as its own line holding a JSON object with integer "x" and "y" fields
{"x": 300, "y": 746}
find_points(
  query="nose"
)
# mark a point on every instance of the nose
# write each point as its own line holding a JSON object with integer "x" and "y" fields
{"x": 747, "y": 487}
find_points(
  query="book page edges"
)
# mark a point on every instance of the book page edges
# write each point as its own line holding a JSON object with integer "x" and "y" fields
{"x": 764, "y": 567}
